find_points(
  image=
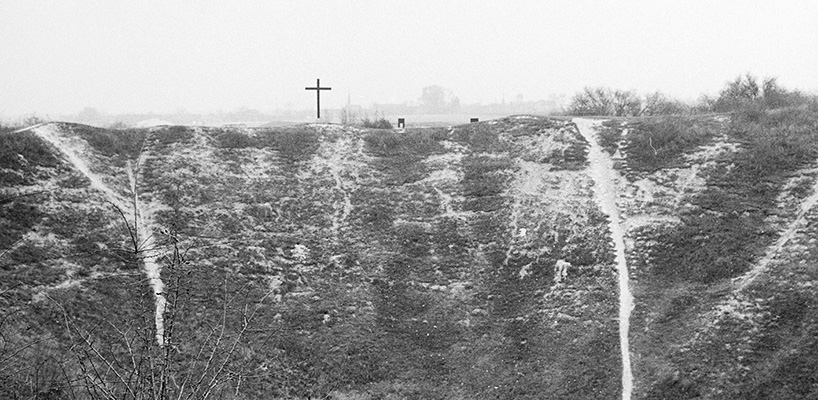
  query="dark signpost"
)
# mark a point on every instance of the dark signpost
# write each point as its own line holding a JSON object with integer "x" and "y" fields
{"x": 318, "y": 90}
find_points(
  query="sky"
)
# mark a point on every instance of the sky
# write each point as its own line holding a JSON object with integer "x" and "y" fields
{"x": 59, "y": 57}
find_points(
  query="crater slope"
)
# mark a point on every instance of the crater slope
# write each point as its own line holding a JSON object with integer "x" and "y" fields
{"x": 464, "y": 262}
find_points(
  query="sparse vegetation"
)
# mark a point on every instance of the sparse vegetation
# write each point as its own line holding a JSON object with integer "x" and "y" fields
{"x": 484, "y": 181}
{"x": 295, "y": 144}
{"x": 401, "y": 153}
{"x": 480, "y": 138}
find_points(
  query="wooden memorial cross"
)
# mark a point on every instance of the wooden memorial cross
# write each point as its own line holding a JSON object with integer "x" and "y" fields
{"x": 318, "y": 90}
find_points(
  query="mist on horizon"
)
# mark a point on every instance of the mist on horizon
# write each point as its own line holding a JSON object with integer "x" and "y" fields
{"x": 206, "y": 57}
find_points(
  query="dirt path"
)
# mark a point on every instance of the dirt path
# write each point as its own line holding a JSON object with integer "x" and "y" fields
{"x": 602, "y": 171}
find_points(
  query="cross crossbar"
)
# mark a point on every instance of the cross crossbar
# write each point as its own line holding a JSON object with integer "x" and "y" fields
{"x": 318, "y": 90}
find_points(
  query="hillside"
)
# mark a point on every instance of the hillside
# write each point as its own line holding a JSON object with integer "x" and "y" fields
{"x": 322, "y": 261}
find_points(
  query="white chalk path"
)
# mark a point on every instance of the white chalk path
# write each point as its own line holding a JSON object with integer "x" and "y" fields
{"x": 143, "y": 226}
{"x": 147, "y": 247}
{"x": 604, "y": 175}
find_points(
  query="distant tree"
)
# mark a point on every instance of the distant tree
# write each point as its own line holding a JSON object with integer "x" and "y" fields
{"x": 433, "y": 99}
{"x": 745, "y": 91}
{"x": 436, "y": 99}
{"x": 738, "y": 92}
{"x": 775, "y": 96}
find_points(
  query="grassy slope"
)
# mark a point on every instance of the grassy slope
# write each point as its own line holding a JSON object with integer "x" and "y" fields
{"x": 416, "y": 282}
{"x": 57, "y": 233}
{"x": 441, "y": 291}
{"x": 761, "y": 344}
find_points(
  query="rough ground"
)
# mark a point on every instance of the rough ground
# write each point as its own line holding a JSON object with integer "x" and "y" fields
{"x": 463, "y": 262}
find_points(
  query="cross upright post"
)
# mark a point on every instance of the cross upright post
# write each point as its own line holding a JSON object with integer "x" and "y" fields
{"x": 318, "y": 90}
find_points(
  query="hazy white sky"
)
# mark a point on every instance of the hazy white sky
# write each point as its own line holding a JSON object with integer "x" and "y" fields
{"x": 202, "y": 55}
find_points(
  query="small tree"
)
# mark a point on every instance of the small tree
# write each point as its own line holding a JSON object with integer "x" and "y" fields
{"x": 626, "y": 103}
{"x": 436, "y": 99}
{"x": 591, "y": 101}
{"x": 741, "y": 91}
{"x": 433, "y": 99}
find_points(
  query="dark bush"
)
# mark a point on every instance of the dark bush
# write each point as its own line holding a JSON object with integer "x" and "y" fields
{"x": 16, "y": 219}
{"x": 480, "y": 138}
{"x": 658, "y": 143}
{"x": 401, "y": 154}
{"x": 33, "y": 150}
{"x": 609, "y": 135}
{"x": 120, "y": 143}
{"x": 412, "y": 142}
{"x": 173, "y": 134}
{"x": 235, "y": 140}
{"x": 293, "y": 144}
{"x": 483, "y": 176}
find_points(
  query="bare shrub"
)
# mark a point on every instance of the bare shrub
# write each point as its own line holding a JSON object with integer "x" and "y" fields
{"x": 604, "y": 101}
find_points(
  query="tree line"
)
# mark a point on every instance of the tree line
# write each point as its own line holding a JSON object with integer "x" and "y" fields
{"x": 741, "y": 92}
